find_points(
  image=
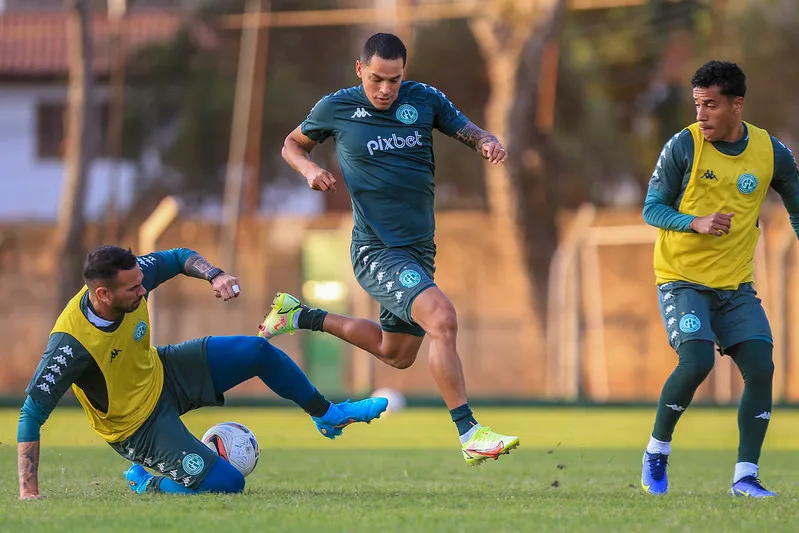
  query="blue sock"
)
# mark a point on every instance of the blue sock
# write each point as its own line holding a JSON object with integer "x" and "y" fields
{"x": 141, "y": 481}
{"x": 234, "y": 360}
{"x": 463, "y": 418}
{"x": 223, "y": 477}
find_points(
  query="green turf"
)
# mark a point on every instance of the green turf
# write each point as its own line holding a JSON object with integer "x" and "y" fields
{"x": 577, "y": 471}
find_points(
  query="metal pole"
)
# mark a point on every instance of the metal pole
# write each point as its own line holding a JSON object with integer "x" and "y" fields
{"x": 238, "y": 135}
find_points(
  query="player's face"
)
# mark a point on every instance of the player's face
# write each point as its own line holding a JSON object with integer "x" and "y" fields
{"x": 128, "y": 293}
{"x": 381, "y": 80}
{"x": 718, "y": 115}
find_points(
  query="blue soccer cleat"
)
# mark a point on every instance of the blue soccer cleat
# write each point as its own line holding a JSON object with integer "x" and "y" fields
{"x": 138, "y": 478}
{"x": 341, "y": 415}
{"x": 750, "y": 486}
{"x": 653, "y": 476}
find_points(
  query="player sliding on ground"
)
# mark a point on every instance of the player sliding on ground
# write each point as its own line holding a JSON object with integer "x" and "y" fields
{"x": 705, "y": 196}
{"x": 383, "y": 130}
{"x": 134, "y": 393}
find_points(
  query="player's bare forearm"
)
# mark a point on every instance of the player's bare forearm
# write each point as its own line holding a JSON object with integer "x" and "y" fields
{"x": 28, "y": 466}
{"x": 297, "y": 152}
{"x": 474, "y": 137}
{"x": 196, "y": 266}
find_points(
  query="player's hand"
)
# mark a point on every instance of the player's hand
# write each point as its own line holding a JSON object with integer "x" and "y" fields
{"x": 226, "y": 287}
{"x": 320, "y": 179}
{"x": 716, "y": 224}
{"x": 494, "y": 152}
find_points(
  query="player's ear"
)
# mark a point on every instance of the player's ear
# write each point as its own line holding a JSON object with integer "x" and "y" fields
{"x": 738, "y": 104}
{"x": 359, "y": 68}
{"x": 104, "y": 294}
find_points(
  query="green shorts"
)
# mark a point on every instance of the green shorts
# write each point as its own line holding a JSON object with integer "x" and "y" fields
{"x": 163, "y": 443}
{"x": 394, "y": 277}
{"x": 696, "y": 312}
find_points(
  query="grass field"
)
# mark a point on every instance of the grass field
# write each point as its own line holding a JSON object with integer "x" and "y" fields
{"x": 576, "y": 471}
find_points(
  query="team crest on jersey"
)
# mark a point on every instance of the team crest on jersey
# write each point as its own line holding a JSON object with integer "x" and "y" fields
{"x": 139, "y": 332}
{"x": 690, "y": 323}
{"x": 409, "y": 278}
{"x": 407, "y": 114}
{"x": 747, "y": 183}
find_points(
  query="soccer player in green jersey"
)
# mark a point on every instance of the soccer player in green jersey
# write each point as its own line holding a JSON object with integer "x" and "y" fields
{"x": 383, "y": 130}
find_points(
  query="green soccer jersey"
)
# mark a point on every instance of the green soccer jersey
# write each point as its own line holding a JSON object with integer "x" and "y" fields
{"x": 386, "y": 157}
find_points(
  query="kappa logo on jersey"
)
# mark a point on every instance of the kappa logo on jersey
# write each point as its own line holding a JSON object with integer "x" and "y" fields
{"x": 361, "y": 113}
{"x": 384, "y": 144}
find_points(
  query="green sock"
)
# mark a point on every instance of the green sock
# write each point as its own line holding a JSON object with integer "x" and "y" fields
{"x": 696, "y": 362}
{"x": 754, "y": 360}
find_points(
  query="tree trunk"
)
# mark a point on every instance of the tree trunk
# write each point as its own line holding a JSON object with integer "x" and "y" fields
{"x": 532, "y": 169}
{"x": 69, "y": 247}
{"x": 517, "y": 197}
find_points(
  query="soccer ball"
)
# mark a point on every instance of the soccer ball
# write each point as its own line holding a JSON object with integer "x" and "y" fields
{"x": 234, "y": 443}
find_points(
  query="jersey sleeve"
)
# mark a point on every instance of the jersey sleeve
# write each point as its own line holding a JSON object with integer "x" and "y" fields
{"x": 448, "y": 118}
{"x": 63, "y": 362}
{"x": 786, "y": 181}
{"x": 159, "y": 267}
{"x": 666, "y": 185}
{"x": 318, "y": 126}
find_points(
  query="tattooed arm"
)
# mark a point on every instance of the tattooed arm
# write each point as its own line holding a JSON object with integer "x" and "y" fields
{"x": 225, "y": 286}
{"x": 28, "y": 465}
{"x": 482, "y": 141}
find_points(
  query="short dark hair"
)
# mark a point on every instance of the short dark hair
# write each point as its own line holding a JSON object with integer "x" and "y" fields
{"x": 385, "y": 46}
{"x": 724, "y": 74}
{"x": 103, "y": 263}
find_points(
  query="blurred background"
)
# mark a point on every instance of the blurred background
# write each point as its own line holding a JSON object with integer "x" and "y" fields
{"x": 158, "y": 123}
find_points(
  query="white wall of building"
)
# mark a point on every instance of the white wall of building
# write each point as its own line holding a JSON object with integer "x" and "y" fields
{"x": 30, "y": 187}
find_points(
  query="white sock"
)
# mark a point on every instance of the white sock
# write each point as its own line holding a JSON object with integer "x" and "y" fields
{"x": 744, "y": 469}
{"x": 658, "y": 446}
{"x": 468, "y": 435}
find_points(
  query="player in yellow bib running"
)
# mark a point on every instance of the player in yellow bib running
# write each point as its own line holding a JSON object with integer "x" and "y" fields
{"x": 705, "y": 197}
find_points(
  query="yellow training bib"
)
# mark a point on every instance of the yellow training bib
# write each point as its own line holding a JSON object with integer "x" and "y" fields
{"x": 719, "y": 183}
{"x": 133, "y": 372}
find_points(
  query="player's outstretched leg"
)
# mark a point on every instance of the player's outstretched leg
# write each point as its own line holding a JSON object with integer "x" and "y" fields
{"x": 236, "y": 359}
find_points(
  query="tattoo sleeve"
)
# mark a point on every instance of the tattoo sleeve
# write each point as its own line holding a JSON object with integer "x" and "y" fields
{"x": 28, "y": 465}
{"x": 474, "y": 137}
{"x": 197, "y": 266}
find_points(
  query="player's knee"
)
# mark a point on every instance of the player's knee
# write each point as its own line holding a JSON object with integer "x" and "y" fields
{"x": 761, "y": 373}
{"x": 223, "y": 478}
{"x": 443, "y": 322}
{"x": 696, "y": 359}
{"x": 402, "y": 360}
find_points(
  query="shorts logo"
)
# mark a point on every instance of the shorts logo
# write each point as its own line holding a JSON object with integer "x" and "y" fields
{"x": 690, "y": 324}
{"x": 747, "y": 183}
{"x": 141, "y": 329}
{"x": 407, "y": 114}
{"x": 409, "y": 278}
{"x": 193, "y": 464}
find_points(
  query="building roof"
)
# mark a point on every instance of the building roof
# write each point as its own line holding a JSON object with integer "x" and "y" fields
{"x": 33, "y": 44}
